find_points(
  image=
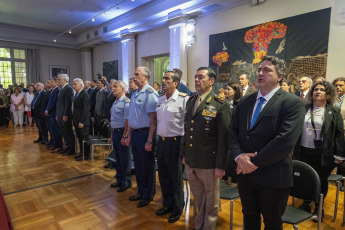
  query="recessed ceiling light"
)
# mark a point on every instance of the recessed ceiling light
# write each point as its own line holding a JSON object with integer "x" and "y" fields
{"x": 70, "y": 31}
{"x": 54, "y": 40}
{"x": 93, "y": 19}
{"x": 103, "y": 14}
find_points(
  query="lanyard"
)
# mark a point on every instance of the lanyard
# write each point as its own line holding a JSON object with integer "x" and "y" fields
{"x": 313, "y": 124}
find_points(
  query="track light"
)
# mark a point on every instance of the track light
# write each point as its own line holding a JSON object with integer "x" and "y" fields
{"x": 70, "y": 31}
{"x": 103, "y": 14}
{"x": 54, "y": 40}
{"x": 93, "y": 19}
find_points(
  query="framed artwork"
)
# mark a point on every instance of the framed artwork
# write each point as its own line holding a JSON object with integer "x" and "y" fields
{"x": 110, "y": 70}
{"x": 56, "y": 70}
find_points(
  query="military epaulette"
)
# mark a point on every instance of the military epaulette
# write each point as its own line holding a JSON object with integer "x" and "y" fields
{"x": 192, "y": 96}
{"x": 183, "y": 94}
{"x": 220, "y": 99}
{"x": 151, "y": 90}
{"x": 127, "y": 100}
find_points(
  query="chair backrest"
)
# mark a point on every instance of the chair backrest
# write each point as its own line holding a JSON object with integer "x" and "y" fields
{"x": 106, "y": 130}
{"x": 306, "y": 182}
{"x": 100, "y": 125}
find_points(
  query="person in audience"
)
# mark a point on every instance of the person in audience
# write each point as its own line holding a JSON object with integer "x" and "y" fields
{"x": 286, "y": 86}
{"x": 50, "y": 112}
{"x": 17, "y": 106}
{"x": 119, "y": 124}
{"x": 3, "y": 108}
{"x": 132, "y": 86}
{"x": 64, "y": 114}
{"x": 204, "y": 153}
{"x": 157, "y": 87}
{"x": 36, "y": 105}
{"x": 304, "y": 86}
{"x": 246, "y": 88}
{"x": 262, "y": 135}
{"x": 171, "y": 109}
{"x": 110, "y": 99}
{"x": 44, "y": 119}
{"x": 101, "y": 101}
{"x": 29, "y": 96}
{"x": 81, "y": 118}
{"x": 339, "y": 84}
{"x": 183, "y": 88}
{"x": 221, "y": 93}
{"x": 322, "y": 139}
{"x": 87, "y": 87}
{"x": 142, "y": 122}
{"x": 318, "y": 79}
{"x": 9, "y": 93}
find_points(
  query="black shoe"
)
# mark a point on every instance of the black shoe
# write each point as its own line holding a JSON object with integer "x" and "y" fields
{"x": 163, "y": 211}
{"x": 50, "y": 147}
{"x": 305, "y": 207}
{"x": 122, "y": 189}
{"x": 342, "y": 186}
{"x": 115, "y": 185}
{"x": 81, "y": 158}
{"x": 135, "y": 197}
{"x": 175, "y": 216}
{"x": 78, "y": 155}
{"x": 315, "y": 217}
{"x": 68, "y": 153}
{"x": 37, "y": 141}
{"x": 143, "y": 203}
{"x": 62, "y": 151}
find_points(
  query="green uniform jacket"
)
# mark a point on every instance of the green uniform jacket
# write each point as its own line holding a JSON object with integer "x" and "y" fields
{"x": 5, "y": 101}
{"x": 205, "y": 140}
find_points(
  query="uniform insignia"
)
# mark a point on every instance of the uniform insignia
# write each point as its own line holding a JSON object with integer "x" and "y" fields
{"x": 209, "y": 113}
{"x": 220, "y": 99}
{"x": 183, "y": 94}
{"x": 211, "y": 107}
{"x": 191, "y": 96}
{"x": 118, "y": 107}
{"x": 127, "y": 100}
{"x": 139, "y": 100}
{"x": 151, "y": 90}
{"x": 208, "y": 100}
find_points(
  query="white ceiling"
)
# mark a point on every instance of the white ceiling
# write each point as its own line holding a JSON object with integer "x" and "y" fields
{"x": 59, "y": 15}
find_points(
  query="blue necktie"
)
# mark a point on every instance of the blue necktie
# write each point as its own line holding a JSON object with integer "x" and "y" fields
{"x": 257, "y": 112}
{"x": 76, "y": 95}
{"x": 35, "y": 99}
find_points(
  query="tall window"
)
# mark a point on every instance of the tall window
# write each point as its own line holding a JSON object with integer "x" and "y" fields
{"x": 12, "y": 66}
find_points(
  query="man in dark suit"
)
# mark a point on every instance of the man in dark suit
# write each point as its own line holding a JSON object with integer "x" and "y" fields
{"x": 44, "y": 120}
{"x": 110, "y": 99}
{"x": 36, "y": 108}
{"x": 81, "y": 117}
{"x": 64, "y": 114}
{"x": 305, "y": 84}
{"x": 262, "y": 135}
{"x": 50, "y": 112}
{"x": 101, "y": 101}
{"x": 87, "y": 87}
{"x": 246, "y": 88}
{"x": 205, "y": 151}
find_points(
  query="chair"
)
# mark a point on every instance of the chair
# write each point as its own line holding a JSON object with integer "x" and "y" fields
{"x": 227, "y": 192}
{"x": 337, "y": 180}
{"x": 306, "y": 186}
{"x": 102, "y": 141}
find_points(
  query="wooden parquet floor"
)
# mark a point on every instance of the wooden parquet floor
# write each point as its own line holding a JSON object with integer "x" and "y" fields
{"x": 49, "y": 191}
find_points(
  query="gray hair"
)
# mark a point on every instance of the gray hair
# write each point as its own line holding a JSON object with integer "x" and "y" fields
{"x": 308, "y": 79}
{"x": 79, "y": 80}
{"x": 122, "y": 85}
{"x": 40, "y": 84}
{"x": 145, "y": 71}
{"x": 64, "y": 76}
{"x": 112, "y": 80}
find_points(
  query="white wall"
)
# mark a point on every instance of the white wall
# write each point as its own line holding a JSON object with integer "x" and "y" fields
{"x": 248, "y": 15}
{"x": 105, "y": 53}
{"x": 60, "y": 57}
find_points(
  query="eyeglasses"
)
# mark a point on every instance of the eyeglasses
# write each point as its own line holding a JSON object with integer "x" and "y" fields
{"x": 302, "y": 81}
{"x": 320, "y": 89}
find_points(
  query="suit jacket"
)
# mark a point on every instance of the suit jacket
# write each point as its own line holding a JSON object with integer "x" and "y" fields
{"x": 64, "y": 102}
{"x": 93, "y": 95}
{"x": 81, "y": 109}
{"x": 51, "y": 106}
{"x": 205, "y": 134}
{"x": 109, "y": 103}
{"x": 101, "y": 101}
{"x": 250, "y": 91}
{"x": 333, "y": 136}
{"x": 342, "y": 111}
{"x": 37, "y": 105}
{"x": 298, "y": 94}
{"x": 273, "y": 136}
{"x": 45, "y": 101}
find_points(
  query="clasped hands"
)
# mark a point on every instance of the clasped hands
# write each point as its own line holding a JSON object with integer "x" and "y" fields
{"x": 244, "y": 164}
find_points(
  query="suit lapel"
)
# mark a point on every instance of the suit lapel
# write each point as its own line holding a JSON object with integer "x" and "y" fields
{"x": 251, "y": 105}
{"x": 328, "y": 118}
{"x": 204, "y": 103}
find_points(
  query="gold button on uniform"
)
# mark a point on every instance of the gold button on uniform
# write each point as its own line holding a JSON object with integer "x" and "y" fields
{"x": 191, "y": 129}
{"x": 192, "y": 121}
{"x": 191, "y": 145}
{"x": 191, "y": 137}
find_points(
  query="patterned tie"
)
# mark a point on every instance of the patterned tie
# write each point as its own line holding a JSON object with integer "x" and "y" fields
{"x": 257, "y": 111}
{"x": 302, "y": 96}
{"x": 76, "y": 95}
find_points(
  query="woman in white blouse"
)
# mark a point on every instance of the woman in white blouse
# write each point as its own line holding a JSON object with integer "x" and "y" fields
{"x": 29, "y": 96}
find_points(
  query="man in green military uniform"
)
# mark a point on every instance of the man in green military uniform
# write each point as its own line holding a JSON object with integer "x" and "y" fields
{"x": 204, "y": 154}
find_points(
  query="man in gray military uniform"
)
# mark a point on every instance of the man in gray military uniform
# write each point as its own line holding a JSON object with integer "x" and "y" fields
{"x": 206, "y": 121}
{"x": 171, "y": 109}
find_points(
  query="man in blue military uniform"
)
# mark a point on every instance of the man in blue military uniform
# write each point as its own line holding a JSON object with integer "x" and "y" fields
{"x": 142, "y": 121}
{"x": 119, "y": 125}
{"x": 171, "y": 109}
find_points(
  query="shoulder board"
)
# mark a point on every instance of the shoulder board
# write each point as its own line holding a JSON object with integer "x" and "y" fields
{"x": 183, "y": 94}
{"x": 127, "y": 100}
{"x": 192, "y": 96}
{"x": 151, "y": 90}
{"x": 219, "y": 99}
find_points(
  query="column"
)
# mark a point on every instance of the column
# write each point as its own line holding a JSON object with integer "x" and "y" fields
{"x": 128, "y": 56}
{"x": 86, "y": 64}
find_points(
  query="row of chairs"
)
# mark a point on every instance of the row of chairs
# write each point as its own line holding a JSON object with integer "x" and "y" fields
{"x": 306, "y": 186}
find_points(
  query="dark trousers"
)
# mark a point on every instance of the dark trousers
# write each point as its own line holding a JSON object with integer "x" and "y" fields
{"x": 49, "y": 130}
{"x": 144, "y": 163}
{"x": 38, "y": 124}
{"x": 67, "y": 133}
{"x": 313, "y": 159}
{"x": 98, "y": 120}
{"x": 83, "y": 134}
{"x": 3, "y": 117}
{"x": 123, "y": 159}
{"x": 170, "y": 173}
{"x": 55, "y": 131}
{"x": 256, "y": 199}
{"x": 44, "y": 129}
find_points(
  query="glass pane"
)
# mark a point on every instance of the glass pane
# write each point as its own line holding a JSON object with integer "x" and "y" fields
{"x": 5, "y": 53}
{"x": 20, "y": 68}
{"x": 19, "y": 54}
{"x": 5, "y": 73}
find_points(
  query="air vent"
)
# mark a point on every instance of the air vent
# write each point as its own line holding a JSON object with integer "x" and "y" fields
{"x": 87, "y": 36}
{"x": 105, "y": 30}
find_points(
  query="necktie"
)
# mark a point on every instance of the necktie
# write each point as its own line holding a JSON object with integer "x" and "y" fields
{"x": 241, "y": 92}
{"x": 257, "y": 111}
{"x": 35, "y": 99}
{"x": 197, "y": 103}
{"x": 302, "y": 96}
{"x": 76, "y": 95}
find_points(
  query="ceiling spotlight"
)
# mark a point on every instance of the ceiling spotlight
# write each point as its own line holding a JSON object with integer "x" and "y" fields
{"x": 70, "y": 31}
{"x": 133, "y": 0}
{"x": 54, "y": 40}
{"x": 117, "y": 7}
{"x": 93, "y": 19}
{"x": 103, "y": 14}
